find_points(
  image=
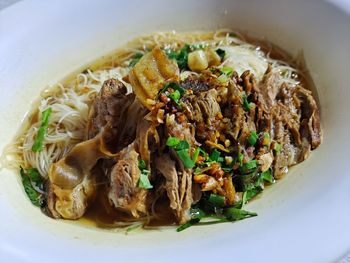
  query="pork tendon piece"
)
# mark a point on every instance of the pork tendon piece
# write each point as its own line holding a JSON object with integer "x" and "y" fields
{"x": 150, "y": 74}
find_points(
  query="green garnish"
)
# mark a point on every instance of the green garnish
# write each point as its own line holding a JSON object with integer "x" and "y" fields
{"x": 197, "y": 46}
{"x": 246, "y": 105}
{"x": 248, "y": 167}
{"x": 175, "y": 96}
{"x": 227, "y": 70}
{"x": 190, "y": 223}
{"x": 267, "y": 176}
{"x": 182, "y": 145}
{"x": 207, "y": 210}
{"x": 196, "y": 154}
{"x": 143, "y": 180}
{"x": 35, "y": 197}
{"x": 135, "y": 59}
{"x": 277, "y": 147}
{"x": 172, "y": 141}
{"x": 253, "y": 138}
{"x": 39, "y": 140}
{"x": 221, "y": 53}
{"x": 217, "y": 200}
{"x": 235, "y": 214}
{"x": 142, "y": 165}
{"x": 182, "y": 150}
{"x": 181, "y": 56}
{"x": 240, "y": 158}
{"x": 215, "y": 155}
{"x": 254, "y": 188}
{"x": 185, "y": 158}
{"x": 223, "y": 78}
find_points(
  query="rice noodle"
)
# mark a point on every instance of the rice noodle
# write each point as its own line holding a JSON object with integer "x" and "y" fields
{"x": 70, "y": 101}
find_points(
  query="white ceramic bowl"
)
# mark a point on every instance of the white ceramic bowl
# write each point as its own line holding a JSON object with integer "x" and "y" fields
{"x": 303, "y": 218}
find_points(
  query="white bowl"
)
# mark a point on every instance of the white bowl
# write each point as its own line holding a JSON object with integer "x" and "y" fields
{"x": 303, "y": 218}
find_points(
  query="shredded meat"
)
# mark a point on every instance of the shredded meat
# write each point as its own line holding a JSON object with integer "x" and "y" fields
{"x": 178, "y": 187}
{"x": 124, "y": 193}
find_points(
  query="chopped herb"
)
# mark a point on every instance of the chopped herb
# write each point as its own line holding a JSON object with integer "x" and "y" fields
{"x": 267, "y": 176}
{"x": 175, "y": 96}
{"x": 215, "y": 155}
{"x": 188, "y": 224}
{"x": 172, "y": 141}
{"x": 217, "y": 200}
{"x": 240, "y": 158}
{"x": 181, "y": 56}
{"x": 253, "y": 138}
{"x": 35, "y": 197}
{"x": 266, "y": 139}
{"x": 223, "y": 78}
{"x": 142, "y": 165}
{"x": 246, "y": 105}
{"x": 181, "y": 148}
{"x": 197, "y": 46}
{"x": 185, "y": 158}
{"x": 248, "y": 167}
{"x": 234, "y": 214}
{"x": 144, "y": 181}
{"x": 197, "y": 170}
{"x": 213, "y": 206}
{"x": 227, "y": 70}
{"x": 221, "y": 53}
{"x": 39, "y": 140}
{"x": 172, "y": 54}
{"x": 277, "y": 147}
{"x": 135, "y": 59}
{"x": 196, "y": 154}
{"x": 182, "y": 145}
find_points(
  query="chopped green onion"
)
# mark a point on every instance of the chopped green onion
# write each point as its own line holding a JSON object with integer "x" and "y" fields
{"x": 253, "y": 138}
{"x": 175, "y": 96}
{"x": 277, "y": 147}
{"x": 248, "y": 167}
{"x": 142, "y": 165}
{"x": 197, "y": 170}
{"x": 234, "y": 214}
{"x": 266, "y": 139}
{"x": 185, "y": 158}
{"x": 183, "y": 57}
{"x": 221, "y": 53}
{"x": 39, "y": 140}
{"x": 217, "y": 200}
{"x": 267, "y": 176}
{"x": 182, "y": 145}
{"x": 144, "y": 181}
{"x": 172, "y": 54}
{"x": 188, "y": 224}
{"x": 240, "y": 158}
{"x": 197, "y": 46}
{"x": 135, "y": 59}
{"x": 196, "y": 154}
{"x": 223, "y": 78}
{"x": 174, "y": 86}
{"x": 246, "y": 105}
{"x": 215, "y": 155}
{"x": 227, "y": 70}
{"x": 35, "y": 197}
{"x": 172, "y": 141}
